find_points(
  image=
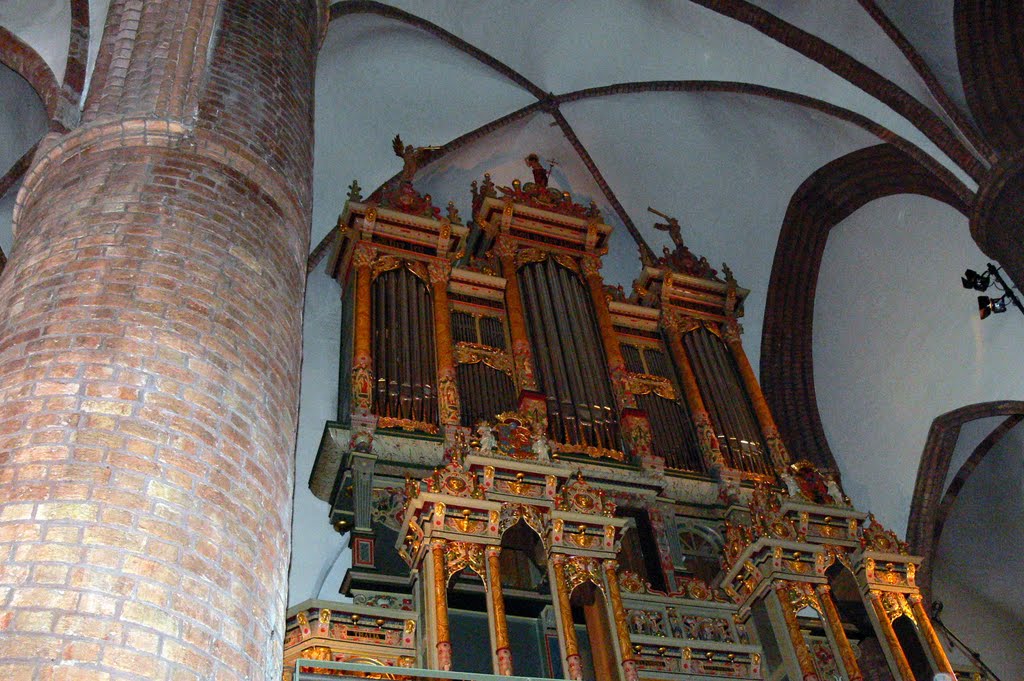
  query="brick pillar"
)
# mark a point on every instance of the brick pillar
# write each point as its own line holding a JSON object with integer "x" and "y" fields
{"x": 150, "y": 343}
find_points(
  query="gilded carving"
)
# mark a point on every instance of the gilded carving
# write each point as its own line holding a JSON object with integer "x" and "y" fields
{"x": 384, "y": 264}
{"x": 438, "y": 271}
{"x": 581, "y": 569}
{"x": 525, "y": 256}
{"x": 566, "y": 261}
{"x": 643, "y": 384}
{"x": 579, "y": 496}
{"x": 409, "y": 425}
{"x": 362, "y": 383}
{"x": 364, "y": 254}
{"x": 448, "y": 396}
{"x": 471, "y": 353}
{"x": 459, "y": 555}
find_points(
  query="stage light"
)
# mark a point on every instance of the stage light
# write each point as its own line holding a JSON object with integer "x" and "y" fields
{"x": 979, "y": 282}
{"x": 987, "y": 306}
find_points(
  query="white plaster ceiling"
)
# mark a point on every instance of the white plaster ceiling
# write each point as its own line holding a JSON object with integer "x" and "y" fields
{"x": 979, "y": 556}
{"x": 45, "y": 25}
{"x": 896, "y": 342}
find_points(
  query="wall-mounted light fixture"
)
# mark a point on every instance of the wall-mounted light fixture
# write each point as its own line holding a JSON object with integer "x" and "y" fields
{"x": 988, "y": 305}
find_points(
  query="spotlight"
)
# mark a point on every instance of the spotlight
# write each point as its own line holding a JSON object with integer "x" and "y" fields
{"x": 991, "y": 277}
{"x": 987, "y": 306}
{"x": 979, "y": 282}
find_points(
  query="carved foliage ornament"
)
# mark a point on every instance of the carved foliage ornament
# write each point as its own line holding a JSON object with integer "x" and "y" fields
{"x": 642, "y": 384}
{"x": 472, "y": 353}
{"x": 580, "y": 497}
{"x": 581, "y": 569}
{"x": 876, "y": 537}
{"x": 454, "y": 480}
{"x": 531, "y": 516}
{"x": 459, "y": 555}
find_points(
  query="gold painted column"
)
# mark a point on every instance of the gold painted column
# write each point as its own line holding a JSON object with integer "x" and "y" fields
{"x": 796, "y": 638}
{"x": 713, "y": 457}
{"x": 590, "y": 265}
{"x": 924, "y": 624}
{"x": 447, "y": 385}
{"x": 573, "y": 667}
{"x": 502, "y": 648}
{"x": 773, "y": 441}
{"x": 621, "y": 626}
{"x": 522, "y": 355}
{"x": 362, "y": 358}
{"x": 442, "y": 633}
{"x": 893, "y": 641}
{"x": 835, "y": 625}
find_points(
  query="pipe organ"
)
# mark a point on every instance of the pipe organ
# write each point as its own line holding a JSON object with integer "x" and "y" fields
{"x": 541, "y": 475}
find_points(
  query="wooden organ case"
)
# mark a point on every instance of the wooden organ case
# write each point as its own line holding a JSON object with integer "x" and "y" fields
{"x": 543, "y": 476}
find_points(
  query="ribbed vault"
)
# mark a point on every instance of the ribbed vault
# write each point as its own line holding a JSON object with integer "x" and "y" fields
{"x": 823, "y": 201}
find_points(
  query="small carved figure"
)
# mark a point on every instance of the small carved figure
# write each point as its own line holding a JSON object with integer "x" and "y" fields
{"x": 833, "y": 491}
{"x": 672, "y": 227}
{"x": 540, "y": 175}
{"x": 453, "y": 214}
{"x": 540, "y": 445}
{"x": 792, "y": 486}
{"x": 412, "y": 157}
{"x": 486, "y": 437}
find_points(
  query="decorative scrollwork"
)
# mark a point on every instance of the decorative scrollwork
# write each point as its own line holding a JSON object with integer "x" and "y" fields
{"x": 472, "y": 353}
{"x": 525, "y": 256}
{"x": 592, "y": 452}
{"x": 579, "y": 496}
{"x": 876, "y": 537}
{"x": 385, "y": 263}
{"x": 642, "y": 384}
{"x": 407, "y": 424}
{"x": 582, "y": 569}
{"x": 459, "y": 555}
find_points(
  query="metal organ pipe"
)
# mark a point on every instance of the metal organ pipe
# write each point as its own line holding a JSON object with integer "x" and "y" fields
{"x": 729, "y": 405}
{"x": 571, "y": 365}
{"x": 403, "y": 348}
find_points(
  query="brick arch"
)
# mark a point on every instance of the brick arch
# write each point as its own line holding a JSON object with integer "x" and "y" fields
{"x": 18, "y": 56}
{"x": 828, "y": 196}
{"x": 990, "y": 53}
{"x": 78, "y": 51}
{"x": 931, "y": 503}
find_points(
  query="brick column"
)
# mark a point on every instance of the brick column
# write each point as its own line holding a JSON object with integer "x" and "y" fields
{"x": 150, "y": 344}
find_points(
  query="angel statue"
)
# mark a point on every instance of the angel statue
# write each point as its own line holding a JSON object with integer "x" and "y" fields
{"x": 412, "y": 157}
{"x": 672, "y": 227}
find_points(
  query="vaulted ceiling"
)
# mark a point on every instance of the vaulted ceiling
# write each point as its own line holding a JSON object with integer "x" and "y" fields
{"x": 830, "y": 152}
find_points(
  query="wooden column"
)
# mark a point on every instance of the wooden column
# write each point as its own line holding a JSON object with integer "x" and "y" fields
{"x": 590, "y": 266}
{"x": 522, "y": 355}
{"x": 447, "y": 384}
{"x": 796, "y": 638}
{"x": 924, "y": 624}
{"x": 573, "y": 668}
{"x": 893, "y": 641}
{"x": 442, "y": 633}
{"x": 835, "y": 625}
{"x": 502, "y": 649}
{"x": 773, "y": 441}
{"x": 619, "y": 615}
{"x": 362, "y": 352}
{"x": 691, "y": 392}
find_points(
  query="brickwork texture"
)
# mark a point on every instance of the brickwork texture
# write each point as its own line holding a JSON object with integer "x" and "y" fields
{"x": 150, "y": 348}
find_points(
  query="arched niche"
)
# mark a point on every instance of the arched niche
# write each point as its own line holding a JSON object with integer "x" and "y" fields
{"x": 523, "y": 558}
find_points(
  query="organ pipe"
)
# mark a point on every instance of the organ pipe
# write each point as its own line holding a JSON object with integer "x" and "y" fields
{"x": 404, "y": 362}
{"x": 732, "y": 415}
{"x": 572, "y": 369}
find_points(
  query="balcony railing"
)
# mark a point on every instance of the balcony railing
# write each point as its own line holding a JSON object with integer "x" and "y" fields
{"x": 331, "y": 671}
